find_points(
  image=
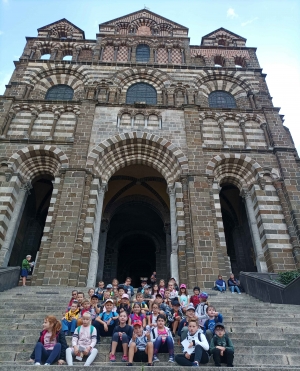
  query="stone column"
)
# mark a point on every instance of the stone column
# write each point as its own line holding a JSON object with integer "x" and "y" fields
{"x": 201, "y": 133}
{"x": 129, "y": 54}
{"x": 266, "y": 134}
{"x": 250, "y": 95}
{"x": 167, "y": 230}
{"x": 101, "y": 53}
{"x": 93, "y": 266}
{"x": 56, "y": 117}
{"x": 221, "y": 125}
{"x": 77, "y": 55}
{"x": 14, "y": 223}
{"x": 260, "y": 258}
{"x": 101, "y": 248}
{"x": 169, "y": 55}
{"x": 116, "y": 48}
{"x": 242, "y": 126}
{"x": 5, "y": 127}
{"x": 34, "y": 116}
{"x": 182, "y": 56}
{"x": 279, "y": 186}
{"x": 174, "y": 240}
{"x": 155, "y": 55}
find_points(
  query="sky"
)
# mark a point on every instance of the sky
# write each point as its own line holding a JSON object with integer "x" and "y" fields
{"x": 273, "y": 26}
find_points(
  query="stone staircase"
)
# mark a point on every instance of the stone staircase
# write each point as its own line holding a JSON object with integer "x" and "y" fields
{"x": 265, "y": 336}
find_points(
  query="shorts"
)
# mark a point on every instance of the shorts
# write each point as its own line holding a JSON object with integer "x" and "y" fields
{"x": 24, "y": 272}
{"x": 140, "y": 356}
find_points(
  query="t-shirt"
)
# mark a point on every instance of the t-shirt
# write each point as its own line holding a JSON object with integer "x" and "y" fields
{"x": 183, "y": 300}
{"x": 140, "y": 341}
{"x": 85, "y": 338}
{"x": 49, "y": 344}
{"x": 105, "y": 316}
{"x": 127, "y": 329}
{"x": 195, "y": 300}
{"x": 163, "y": 333}
{"x": 134, "y": 317}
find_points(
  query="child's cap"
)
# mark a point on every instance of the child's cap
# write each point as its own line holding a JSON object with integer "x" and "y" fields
{"x": 219, "y": 324}
{"x": 183, "y": 286}
{"x": 191, "y": 306}
{"x": 94, "y": 296}
{"x": 203, "y": 295}
{"x": 137, "y": 323}
{"x": 196, "y": 288}
{"x": 175, "y": 303}
{"x": 125, "y": 296}
{"x": 109, "y": 301}
{"x": 109, "y": 286}
{"x": 147, "y": 287}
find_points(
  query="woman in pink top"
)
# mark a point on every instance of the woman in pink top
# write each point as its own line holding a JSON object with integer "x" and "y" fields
{"x": 52, "y": 345}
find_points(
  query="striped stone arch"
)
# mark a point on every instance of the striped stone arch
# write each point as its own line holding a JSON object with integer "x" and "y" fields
{"x": 32, "y": 161}
{"x": 234, "y": 83}
{"x": 237, "y": 169}
{"x": 23, "y": 107}
{"x": 127, "y": 77}
{"x": 137, "y": 148}
{"x": 49, "y": 75}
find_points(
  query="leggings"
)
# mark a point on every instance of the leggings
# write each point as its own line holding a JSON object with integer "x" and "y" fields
{"x": 88, "y": 362}
{"x": 47, "y": 356}
{"x": 159, "y": 345}
{"x": 200, "y": 356}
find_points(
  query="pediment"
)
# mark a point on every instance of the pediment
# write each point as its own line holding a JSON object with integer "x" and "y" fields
{"x": 222, "y": 33}
{"x": 61, "y": 28}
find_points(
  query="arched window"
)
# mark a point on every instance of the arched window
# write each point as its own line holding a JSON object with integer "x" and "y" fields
{"x": 46, "y": 56}
{"x": 60, "y": 92}
{"x": 141, "y": 92}
{"x": 142, "y": 53}
{"x": 221, "y": 99}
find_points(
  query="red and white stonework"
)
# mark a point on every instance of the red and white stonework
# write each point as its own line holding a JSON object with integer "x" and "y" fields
{"x": 94, "y": 187}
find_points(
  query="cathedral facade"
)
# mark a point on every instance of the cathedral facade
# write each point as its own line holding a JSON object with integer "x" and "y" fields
{"x": 138, "y": 152}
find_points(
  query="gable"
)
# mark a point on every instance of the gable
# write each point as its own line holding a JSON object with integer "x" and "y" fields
{"x": 143, "y": 22}
{"x": 221, "y": 35}
{"x": 61, "y": 29}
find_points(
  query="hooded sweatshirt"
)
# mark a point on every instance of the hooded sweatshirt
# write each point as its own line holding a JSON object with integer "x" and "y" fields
{"x": 195, "y": 339}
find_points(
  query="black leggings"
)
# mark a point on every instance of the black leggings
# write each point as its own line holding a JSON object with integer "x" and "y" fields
{"x": 200, "y": 356}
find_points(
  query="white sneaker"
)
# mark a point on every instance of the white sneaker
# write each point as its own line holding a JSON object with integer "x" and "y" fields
{"x": 232, "y": 292}
{"x": 37, "y": 364}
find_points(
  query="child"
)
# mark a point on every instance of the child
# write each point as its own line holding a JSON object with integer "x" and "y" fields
{"x": 26, "y": 267}
{"x": 154, "y": 291}
{"x": 94, "y": 308}
{"x": 124, "y": 305}
{"x": 86, "y": 305}
{"x": 106, "y": 295}
{"x": 175, "y": 316}
{"x": 194, "y": 299}
{"x": 140, "y": 300}
{"x": 74, "y": 297}
{"x": 128, "y": 287}
{"x": 161, "y": 288}
{"x": 69, "y": 322}
{"x": 121, "y": 337}
{"x": 233, "y": 284}
{"x": 105, "y": 322}
{"x": 162, "y": 339}
{"x": 83, "y": 342}
{"x": 209, "y": 325}
{"x": 137, "y": 315}
{"x": 201, "y": 309}
{"x": 147, "y": 295}
{"x": 143, "y": 284}
{"x": 220, "y": 284}
{"x": 183, "y": 297}
{"x": 151, "y": 318}
{"x": 196, "y": 350}
{"x": 174, "y": 283}
{"x": 184, "y": 323}
{"x": 52, "y": 345}
{"x": 100, "y": 289}
{"x": 221, "y": 347}
{"x": 115, "y": 283}
{"x": 121, "y": 292}
{"x": 140, "y": 345}
{"x": 173, "y": 292}
{"x": 91, "y": 292}
{"x": 153, "y": 278}
{"x": 80, "y": 298}
{"x": 109, "y": 288}
{"x": 167, "y": 299}
{"x": 164, "y": 308}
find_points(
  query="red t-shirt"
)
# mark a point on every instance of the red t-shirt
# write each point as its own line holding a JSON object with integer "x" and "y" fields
{"x": 195, "y": 300}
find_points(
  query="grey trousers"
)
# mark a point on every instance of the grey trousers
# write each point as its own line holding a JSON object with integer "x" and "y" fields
{"x": 88, "y": 362}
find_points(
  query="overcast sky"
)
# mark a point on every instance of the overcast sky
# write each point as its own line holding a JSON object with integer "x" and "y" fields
{"x": 271, "y": 26}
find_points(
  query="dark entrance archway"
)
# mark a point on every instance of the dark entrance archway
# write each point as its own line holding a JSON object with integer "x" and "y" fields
{"x": 237, "y": 232}
{"x": 30, "y": 231}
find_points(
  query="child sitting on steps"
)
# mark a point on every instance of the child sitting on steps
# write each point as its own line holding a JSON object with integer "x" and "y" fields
{"x": 69, "y": 322}
{"x": 162, "y": 339}
{"x": 83, "y": 342}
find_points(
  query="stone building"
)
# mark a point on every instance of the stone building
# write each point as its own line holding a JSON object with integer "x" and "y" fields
{"x": 137, "y": 152}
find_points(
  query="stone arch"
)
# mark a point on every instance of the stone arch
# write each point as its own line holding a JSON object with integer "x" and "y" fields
{"x": 137, "y": 148}
{"x": 237, "y": 169}
{"x": 32, "y": 161}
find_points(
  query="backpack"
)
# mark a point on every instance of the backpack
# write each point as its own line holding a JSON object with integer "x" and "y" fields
{"x": 91, "y": 329}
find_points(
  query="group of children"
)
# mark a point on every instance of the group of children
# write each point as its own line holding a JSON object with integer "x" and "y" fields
{"x": 140, "y": 327}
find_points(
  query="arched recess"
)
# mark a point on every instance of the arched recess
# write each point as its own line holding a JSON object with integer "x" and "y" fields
{"x": 137, "y": 148}
{"x": 236, "y": 175}
{"x": 32, "y": 167}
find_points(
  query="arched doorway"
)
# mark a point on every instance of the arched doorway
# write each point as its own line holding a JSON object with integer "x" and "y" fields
{"x": 33, "y": 220}
{"x": 238, "y": 237}
{"x": 136, "y": 209}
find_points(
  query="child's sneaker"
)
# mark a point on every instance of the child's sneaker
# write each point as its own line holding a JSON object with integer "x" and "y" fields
{"x": 124, "y": 358}
{"x": 171, "y": 359}
{"x": 155, "y": 359}
{"x": 195, "y": 364}
{"x": 129, "y": 364}
{"x": 112, "y": 358}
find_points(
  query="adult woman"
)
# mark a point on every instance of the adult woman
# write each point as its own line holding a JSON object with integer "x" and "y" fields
{"x": 26, "y": 266}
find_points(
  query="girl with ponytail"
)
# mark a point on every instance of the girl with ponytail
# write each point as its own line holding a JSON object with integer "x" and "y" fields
{"x": 51, "y": 345}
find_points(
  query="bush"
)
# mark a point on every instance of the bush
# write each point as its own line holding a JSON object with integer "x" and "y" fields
{"x": 287, "y": 277}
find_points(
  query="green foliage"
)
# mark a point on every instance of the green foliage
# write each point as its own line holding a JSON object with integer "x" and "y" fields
{"x": 287, "y": 277}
